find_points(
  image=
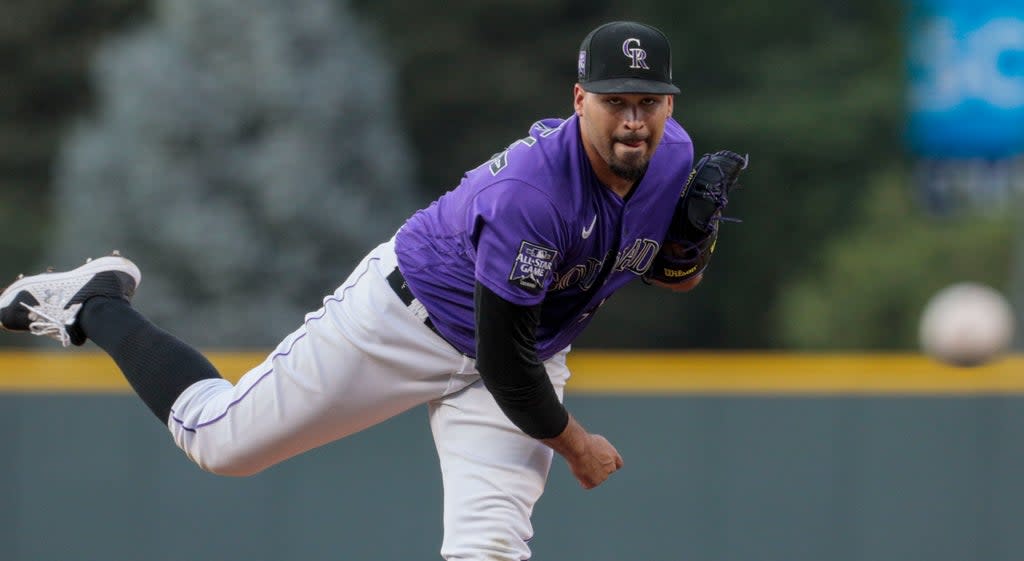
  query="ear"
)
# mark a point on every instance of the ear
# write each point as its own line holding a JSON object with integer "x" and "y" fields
{"x": 577, "y": 99}
{"x": 671, "y": 104}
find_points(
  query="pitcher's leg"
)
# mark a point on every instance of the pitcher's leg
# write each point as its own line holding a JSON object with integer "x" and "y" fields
{"x": 359, "y": 360}
{"x": 312, "y": 390}
{"x": 493, "y": 474}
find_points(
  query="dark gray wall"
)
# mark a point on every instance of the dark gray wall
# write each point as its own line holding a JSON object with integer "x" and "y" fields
{"x": 706, "y": 478}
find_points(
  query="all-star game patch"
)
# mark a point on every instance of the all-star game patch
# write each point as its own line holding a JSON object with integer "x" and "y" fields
{"x": 533, "y": 265}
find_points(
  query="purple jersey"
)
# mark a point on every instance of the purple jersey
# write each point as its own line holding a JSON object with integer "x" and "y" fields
{"x": 534, "y": 225}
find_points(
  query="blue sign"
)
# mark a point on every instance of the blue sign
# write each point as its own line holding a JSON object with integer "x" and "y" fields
{"x": 966, "y": 78}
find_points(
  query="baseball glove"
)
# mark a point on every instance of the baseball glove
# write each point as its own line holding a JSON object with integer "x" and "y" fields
{"x": 690, "y": 241}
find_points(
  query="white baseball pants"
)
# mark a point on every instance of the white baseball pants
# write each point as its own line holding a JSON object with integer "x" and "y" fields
{"x": 363, "y": 358}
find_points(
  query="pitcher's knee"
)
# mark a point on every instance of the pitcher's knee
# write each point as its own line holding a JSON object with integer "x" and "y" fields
{"x": 230, "y": 465}
{"x": 230, "y": 470}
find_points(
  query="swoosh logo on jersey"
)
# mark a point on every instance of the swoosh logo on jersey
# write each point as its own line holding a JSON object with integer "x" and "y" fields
{"x": 590, "y": 229}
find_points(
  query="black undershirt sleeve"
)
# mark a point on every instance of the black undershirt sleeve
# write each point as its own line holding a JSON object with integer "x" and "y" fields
{"x": 509, "y": 367}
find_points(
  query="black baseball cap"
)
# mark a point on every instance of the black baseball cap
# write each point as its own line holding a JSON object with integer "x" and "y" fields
{"x": 626, "y": 57}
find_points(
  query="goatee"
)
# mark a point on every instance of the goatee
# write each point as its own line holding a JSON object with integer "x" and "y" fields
{"x": 629, "y": 173}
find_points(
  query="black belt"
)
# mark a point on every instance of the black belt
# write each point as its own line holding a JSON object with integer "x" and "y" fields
{"x": 401, "y": 288}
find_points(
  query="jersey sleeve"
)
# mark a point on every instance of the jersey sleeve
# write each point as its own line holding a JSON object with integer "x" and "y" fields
{"x": 517, "y": 235}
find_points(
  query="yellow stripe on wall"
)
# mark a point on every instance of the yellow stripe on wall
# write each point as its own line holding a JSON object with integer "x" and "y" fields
{"x": 91, "y": 372}
{"x": 596, "y": 372}
{"x": 788, "y": 373}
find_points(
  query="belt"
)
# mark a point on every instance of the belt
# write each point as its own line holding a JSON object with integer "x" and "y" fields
{"x": 401, "y": 288}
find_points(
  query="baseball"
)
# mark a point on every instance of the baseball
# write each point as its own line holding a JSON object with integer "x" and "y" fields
{"x": 966, "y": 324}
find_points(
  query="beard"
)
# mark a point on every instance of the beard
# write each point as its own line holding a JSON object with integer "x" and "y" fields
{"x": 632, "y": 167}
{"x": 630, "y": 171}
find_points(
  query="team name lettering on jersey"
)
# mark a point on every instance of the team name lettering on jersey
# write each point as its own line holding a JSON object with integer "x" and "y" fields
{"x": 582, "y": 274}
{"x": 638, "y": 257}
{"x": 532, "y": 266}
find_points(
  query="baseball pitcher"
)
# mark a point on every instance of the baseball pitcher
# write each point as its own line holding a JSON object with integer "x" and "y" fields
{"x": 470, "y": 308}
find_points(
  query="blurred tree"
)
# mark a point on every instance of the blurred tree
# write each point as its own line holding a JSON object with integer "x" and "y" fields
{"x": 874, "y": 281}
{"x": 44, "y": 48}
{"x": 246, "y": 158}
{"x": 481, "y": 72}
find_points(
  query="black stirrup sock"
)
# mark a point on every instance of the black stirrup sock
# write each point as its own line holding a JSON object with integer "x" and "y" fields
{"x": 158, "y": 365}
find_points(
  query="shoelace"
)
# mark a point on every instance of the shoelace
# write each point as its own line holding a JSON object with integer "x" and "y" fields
{"x": 45, "y": 322}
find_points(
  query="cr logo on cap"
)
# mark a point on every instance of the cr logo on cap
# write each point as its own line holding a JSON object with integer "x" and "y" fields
{"x": 631, "y": 48}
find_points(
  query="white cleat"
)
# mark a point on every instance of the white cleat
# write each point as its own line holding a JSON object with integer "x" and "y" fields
{"x": 48, "y": 303}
